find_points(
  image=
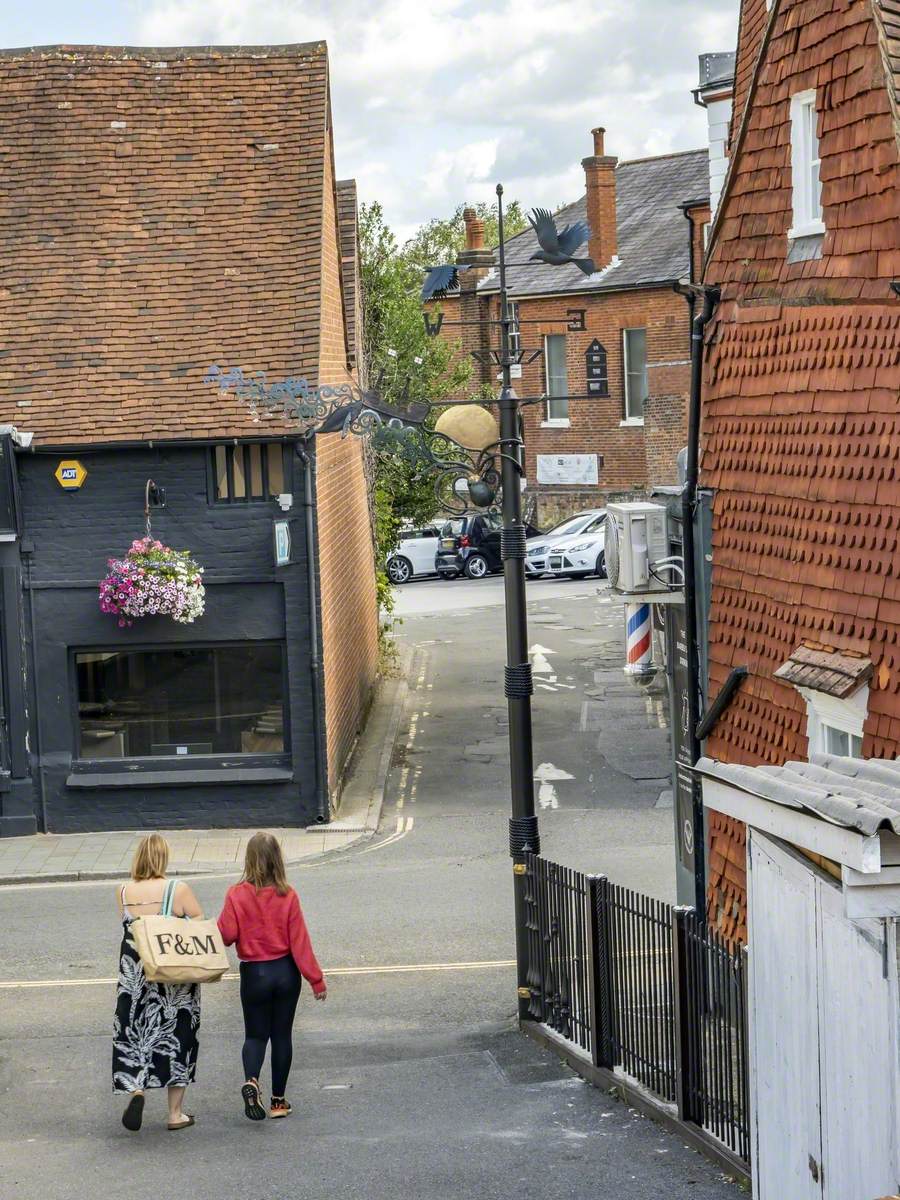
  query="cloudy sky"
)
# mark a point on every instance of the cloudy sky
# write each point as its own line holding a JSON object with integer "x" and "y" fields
{"x": 436, "y": 100}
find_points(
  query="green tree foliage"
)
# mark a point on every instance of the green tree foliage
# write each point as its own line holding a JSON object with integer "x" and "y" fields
{"x": 420, "y": 368}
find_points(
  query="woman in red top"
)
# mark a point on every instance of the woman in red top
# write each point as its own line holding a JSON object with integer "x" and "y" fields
{"x": 262, "y": 914}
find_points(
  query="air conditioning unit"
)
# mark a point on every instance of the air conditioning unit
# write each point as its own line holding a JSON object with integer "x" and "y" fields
{"x": 637, "y": 543}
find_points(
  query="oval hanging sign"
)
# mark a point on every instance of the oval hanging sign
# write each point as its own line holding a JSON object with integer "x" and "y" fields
{"x": 70, "y": 474}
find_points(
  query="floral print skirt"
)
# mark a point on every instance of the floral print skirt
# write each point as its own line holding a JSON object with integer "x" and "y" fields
{"x": 155, "y": 1031}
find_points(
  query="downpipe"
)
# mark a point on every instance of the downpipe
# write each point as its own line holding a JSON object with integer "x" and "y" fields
{"x": 323, "y": 808}
{"x": 689, "y": 549}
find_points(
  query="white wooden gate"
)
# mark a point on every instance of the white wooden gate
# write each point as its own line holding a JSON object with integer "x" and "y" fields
{"x": 823, "y": 1037}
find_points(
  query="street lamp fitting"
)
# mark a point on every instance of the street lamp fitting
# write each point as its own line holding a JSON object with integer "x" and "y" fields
{"x": 469, "y": 425}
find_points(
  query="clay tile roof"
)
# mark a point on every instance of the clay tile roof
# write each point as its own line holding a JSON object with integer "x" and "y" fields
{"x": 862, "y": 794}
{"x": 161, "y": 210}
{"x": 887, "y": 17}
{"x": 651, "y": 230}
{"x": 838, "y": 675}
{"x": 348, "y": 229}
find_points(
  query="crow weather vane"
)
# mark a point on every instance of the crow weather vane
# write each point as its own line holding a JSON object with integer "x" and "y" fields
{"x": 556, "y": 250}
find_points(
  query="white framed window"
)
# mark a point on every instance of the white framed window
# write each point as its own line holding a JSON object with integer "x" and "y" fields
{"x": 634, "y": 350}
{"x": 806, "y": 186}
{"x": 835, "y": 726}
{"x": 556, "y": 378}
{"x": 515, "y": 336}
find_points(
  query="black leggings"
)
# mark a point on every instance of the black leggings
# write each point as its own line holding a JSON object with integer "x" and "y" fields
{"x": 269, "y": 994}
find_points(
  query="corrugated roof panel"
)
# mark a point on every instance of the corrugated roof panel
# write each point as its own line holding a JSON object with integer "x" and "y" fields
{"x": 857, "y": 793}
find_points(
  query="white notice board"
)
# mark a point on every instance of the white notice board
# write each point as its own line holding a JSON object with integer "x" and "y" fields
{"x": 567, "y": 468}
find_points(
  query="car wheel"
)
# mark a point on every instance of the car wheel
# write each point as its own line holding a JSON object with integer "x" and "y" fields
{"x": 476, "y": 566}
{"x": 600, "y": 569}
{"x": 399, "y": 569}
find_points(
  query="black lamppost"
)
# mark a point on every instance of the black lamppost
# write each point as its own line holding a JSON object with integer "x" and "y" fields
{"x": 486, "y": 463}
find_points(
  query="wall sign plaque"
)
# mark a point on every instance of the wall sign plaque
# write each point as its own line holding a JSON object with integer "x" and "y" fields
{"x": 567, "y": 468}
{"x": 596, "y": 369}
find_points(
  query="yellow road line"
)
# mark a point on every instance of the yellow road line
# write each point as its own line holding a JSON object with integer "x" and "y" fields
{"x": 395, "y": 969}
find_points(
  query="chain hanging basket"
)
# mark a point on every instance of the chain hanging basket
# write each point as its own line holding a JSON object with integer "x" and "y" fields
{"x": 153, "y": 580}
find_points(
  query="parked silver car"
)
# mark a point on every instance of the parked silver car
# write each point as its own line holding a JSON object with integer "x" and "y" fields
{"x": 539, "y": 547}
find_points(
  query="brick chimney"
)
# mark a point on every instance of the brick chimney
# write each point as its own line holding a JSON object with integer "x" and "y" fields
{"x": 600, "y": 180}
{"x": 475, "y": 334}
{"x": 475, "y": 255}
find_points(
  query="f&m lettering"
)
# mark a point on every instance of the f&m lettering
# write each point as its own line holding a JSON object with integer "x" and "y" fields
{"x": 203, "y": 945}
{"x": 163, "y": 942}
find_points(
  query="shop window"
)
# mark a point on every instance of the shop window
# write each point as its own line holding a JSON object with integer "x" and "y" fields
{"x": 806, "y": 186}
{"x": 180, "y": 700}
{"x": 636, "y": 388}
{"x": 247, "y": 473}
{"x": 556, "y": 377}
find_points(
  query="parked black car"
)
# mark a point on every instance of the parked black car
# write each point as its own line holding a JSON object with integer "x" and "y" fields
{"x": 470, "y": 546}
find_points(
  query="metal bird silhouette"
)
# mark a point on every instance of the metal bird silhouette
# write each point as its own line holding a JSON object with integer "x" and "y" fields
{"x": 557, "y": 248}
{"x": 439, "y": 280}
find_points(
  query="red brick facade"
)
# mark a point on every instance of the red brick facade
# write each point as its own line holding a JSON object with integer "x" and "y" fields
{"x": 635, "y": 456}
{"x": 632, "y": 454}
{"x": 801, "y": 429}
{"x": 344, "y": 528}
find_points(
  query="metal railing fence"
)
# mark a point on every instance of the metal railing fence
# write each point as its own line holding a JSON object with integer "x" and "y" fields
{"x": 645, "y": 990}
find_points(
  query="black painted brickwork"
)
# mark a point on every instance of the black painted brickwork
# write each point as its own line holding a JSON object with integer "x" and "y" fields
{"x": 72, "y": 535}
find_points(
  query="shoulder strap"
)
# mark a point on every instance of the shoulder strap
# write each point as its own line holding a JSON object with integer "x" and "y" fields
{"x": 168, "y": 897}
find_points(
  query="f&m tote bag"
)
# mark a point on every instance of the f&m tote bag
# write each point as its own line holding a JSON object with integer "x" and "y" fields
{"x": 177, "y": 950}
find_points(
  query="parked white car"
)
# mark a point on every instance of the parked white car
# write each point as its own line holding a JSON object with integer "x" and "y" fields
{"x": 581, "y": 554}
{"x": 540, "y": 547}
{"x": 414, "y": 556}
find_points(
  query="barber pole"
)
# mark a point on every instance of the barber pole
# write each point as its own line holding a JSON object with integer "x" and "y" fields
{"x": 638, "y": 640}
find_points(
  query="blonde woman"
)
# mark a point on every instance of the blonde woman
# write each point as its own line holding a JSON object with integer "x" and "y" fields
{"x": 155, "y": 1034}
{"x": 262, "y": 915}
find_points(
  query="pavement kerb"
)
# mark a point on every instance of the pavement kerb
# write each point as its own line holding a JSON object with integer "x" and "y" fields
{"x": 361, "y": 818}
{"x": 390, "y": 742}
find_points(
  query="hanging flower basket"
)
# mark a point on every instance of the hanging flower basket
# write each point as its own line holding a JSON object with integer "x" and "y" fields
{"x": 153, "y": 580}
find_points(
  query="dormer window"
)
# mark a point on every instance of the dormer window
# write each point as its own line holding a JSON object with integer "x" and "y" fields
{"x": 835, "y": 686}
{"x": 805, "y": 164}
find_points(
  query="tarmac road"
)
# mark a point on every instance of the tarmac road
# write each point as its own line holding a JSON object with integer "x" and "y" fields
{"x": 407, "y": 1080}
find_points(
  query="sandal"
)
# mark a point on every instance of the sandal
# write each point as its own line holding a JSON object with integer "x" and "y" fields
{"x": 252, "y": 1101}
{"x": 186, "y": 1124}
{"x": 280, "y": 1107}
{"x": 134, "y": 1112}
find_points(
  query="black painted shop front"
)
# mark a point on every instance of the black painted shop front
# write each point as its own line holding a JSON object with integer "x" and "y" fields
{"x": 160, "y": 725}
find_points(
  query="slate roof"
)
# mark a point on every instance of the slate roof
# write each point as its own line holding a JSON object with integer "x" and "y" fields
{"x": 857, "y": 793}
{"x": 160, "y": 210}
{"x": 652, "y": 232}
{"x": 838, "y": 675}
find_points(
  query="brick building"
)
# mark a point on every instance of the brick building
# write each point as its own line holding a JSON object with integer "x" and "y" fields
{"x": 162, "y": 211}
{"x": 801, "y": 429}
{"x": 613, "y": 370}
